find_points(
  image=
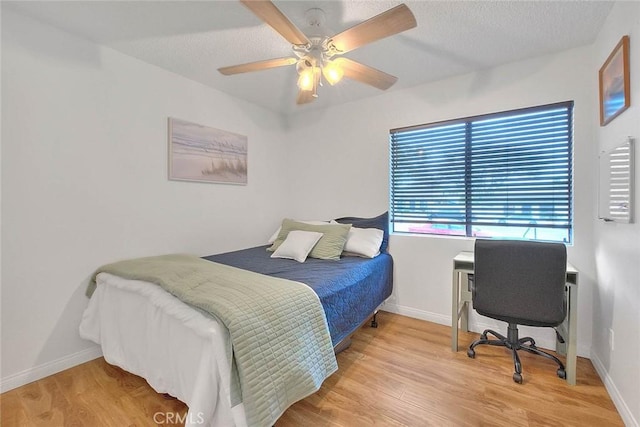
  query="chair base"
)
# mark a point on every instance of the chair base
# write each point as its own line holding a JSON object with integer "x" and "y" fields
{"x": 512, "y": 342}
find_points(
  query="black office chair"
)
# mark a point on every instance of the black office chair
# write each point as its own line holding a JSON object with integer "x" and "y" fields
{"x": 521, "y": 283}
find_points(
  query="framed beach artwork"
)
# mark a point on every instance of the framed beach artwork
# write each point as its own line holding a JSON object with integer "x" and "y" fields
{"x": 204, "y": 154}
{"x": 614, "y": 83}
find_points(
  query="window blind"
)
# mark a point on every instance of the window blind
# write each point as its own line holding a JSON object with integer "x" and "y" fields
{"x": 508, "y": 169}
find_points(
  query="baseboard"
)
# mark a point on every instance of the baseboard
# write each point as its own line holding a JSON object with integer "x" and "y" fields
{"x": 441, "y": 319}
{"x": 418, "y": 314}
{"x": 621, "y": 406}
{"x": 38, "y": 372}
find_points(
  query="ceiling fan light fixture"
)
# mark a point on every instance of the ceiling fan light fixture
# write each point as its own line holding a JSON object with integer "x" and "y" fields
{"x": 332, "y": 72}
{"x": 306, "y": 80}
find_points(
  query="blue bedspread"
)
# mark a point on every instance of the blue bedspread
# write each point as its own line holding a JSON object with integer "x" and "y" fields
{"x": 350, "y": 289}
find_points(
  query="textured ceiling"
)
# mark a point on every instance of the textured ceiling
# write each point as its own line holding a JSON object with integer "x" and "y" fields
{"x": 194, "y": 38}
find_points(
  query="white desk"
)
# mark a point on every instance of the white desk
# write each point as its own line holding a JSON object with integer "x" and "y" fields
{"x": 461, "y": 301}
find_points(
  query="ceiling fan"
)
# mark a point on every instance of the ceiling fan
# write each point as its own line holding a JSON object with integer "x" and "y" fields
{"x": 318, "y": 56}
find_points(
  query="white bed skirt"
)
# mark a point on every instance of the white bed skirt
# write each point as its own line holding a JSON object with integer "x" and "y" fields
{"x": 179, "y": 350}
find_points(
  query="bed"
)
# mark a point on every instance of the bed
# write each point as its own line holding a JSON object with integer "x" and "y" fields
{"x": 145, "y": 330}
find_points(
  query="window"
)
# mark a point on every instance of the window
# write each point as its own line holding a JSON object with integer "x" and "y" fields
{"x": 504, "y": 175}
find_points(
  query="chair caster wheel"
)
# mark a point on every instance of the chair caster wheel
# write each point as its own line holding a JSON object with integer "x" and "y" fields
{"x": 562, "y": 373}
{"x": 471, "y": 353}
{"x": 517, "y": 378}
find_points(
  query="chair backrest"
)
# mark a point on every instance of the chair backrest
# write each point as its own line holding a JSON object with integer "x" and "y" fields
{"x": 520, "y": 282}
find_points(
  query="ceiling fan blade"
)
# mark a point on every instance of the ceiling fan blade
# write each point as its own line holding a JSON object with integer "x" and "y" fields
{"x": 272, "y": 16}
{"x": 257, "y": 66}
{"x": 365, "y": 74}
{"x": 386, "y": 24}
{"x": 305, "y": 97}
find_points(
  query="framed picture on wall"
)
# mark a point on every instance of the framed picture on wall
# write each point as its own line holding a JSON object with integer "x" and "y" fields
{"x": 204, "y": 154}
{"x": 614, "y": 83}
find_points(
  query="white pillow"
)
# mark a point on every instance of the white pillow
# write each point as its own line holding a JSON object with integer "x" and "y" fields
{"x": 297, "y": 245}
{"x": 275, "y": 235}
{"x": 364, "y": 242}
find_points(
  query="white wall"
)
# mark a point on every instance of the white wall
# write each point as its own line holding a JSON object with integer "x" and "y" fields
{"x": 616, "y": 302}
{"x": 339, "y": 159}
{"x": 84, "y": 182}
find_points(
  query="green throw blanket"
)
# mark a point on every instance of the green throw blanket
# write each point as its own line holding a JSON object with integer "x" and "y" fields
{"x": 280, "y": 346}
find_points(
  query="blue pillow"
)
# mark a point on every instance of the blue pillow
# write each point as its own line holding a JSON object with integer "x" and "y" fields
{"x": 380, "y": 222}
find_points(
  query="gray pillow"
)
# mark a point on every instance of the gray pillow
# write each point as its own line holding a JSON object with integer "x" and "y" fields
{"x": 330, "y": 245}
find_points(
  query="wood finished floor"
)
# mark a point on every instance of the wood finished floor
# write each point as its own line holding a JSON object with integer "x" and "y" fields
{"x": 401, "y": 374}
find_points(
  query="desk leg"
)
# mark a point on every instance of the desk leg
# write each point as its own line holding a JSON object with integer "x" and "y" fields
{"x": 455, "y": 298}
{"x": 572, "y": 353}
{"x": 464, "y": 306}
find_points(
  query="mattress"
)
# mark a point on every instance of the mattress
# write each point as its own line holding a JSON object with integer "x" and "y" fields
{"x": 350, "y": 289}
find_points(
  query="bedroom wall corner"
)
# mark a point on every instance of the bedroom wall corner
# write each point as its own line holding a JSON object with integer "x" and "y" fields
{"x": 84, "y": 182}
{"x": 616, "y": 304}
